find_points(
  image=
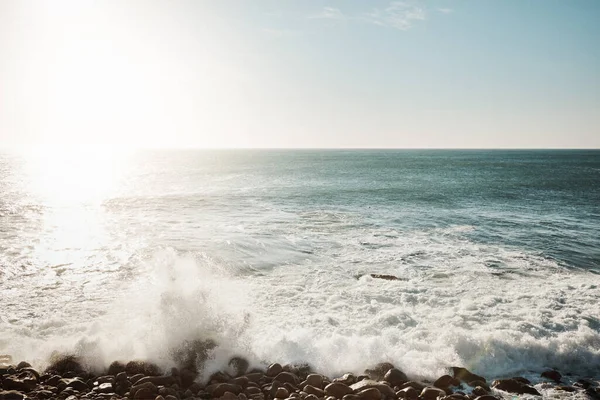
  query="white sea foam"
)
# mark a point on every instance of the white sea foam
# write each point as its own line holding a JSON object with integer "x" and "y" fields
{"x": 452, "y": 309}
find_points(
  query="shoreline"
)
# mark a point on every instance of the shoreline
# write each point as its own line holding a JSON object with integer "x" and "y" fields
{"x": 67, "y": 379}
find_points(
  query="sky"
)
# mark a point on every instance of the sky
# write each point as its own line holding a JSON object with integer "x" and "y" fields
{"x": 302, "y": 73}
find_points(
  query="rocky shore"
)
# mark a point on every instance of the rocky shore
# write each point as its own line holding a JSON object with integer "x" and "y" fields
{"x": 67, "y": 379}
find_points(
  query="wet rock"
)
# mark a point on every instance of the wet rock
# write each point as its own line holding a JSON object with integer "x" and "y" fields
{"x": 287, "y": 377}
{"x": 220, "y": 389}
{"x": 408, "y": 393}
{"x": 43, "y": 394}
{"x": 337, "y": 390}
{"x": 12, "y": 382}
{"x": 11, "y": 395}
{"x": 167, "y": 391}
{"x": 351, "y": 397}
{"x": 121, "y": 377}
{"x": 142, "y": 367}
{"x": 53, "y": 380}
{"x": 229, "y": 396}
{"x": 347, "y": 379}
{"x": 430, "y": 393}
{"x": 369, "y": 394}
{"x": 64, "y": 365}
{"x": 105, "y": 388}
{"x": 446, "y": 381}
{"x": 387, "y": 277}
{"x": 250, "y": 390}
{"x": 479, "y": 383}
{"x": 314, "y": 390}
{"x": 566, "y": 388}
{"x": 368, "y": 384}
{"x": 479, "y": 391}
{"x": 255, "y": 376}
{"x": 395, "y": 377}
{"x": 171, "y": 397}
{"x": 144, "y": 394}
{"x": 23, "y": 364}
{"x": 274, "y": 370}
{"x": 115, "y": 368}
{"x": 133, "y": 379}
{"x": 242, "y": 381}
{"x": 466, "y": 376}
{"x": 379, "y": 370}
{"x": 157, "y": 380}
{"x": 187, "y": 377}
{"x": 219, "y": 377}
{"x": 281, "y": 393}
{"x": 524, "y": 381}
{"x": 76, "y": 384}
{"x": 147, "y": 387}
{"x": 315, "y": 380}
{"x": 514, "y": 386}
{"x": 413, "y": 384}
{"x": 487, "y": 397}
{"x": 311, "y": 397}
{"x": 552, "y": 374}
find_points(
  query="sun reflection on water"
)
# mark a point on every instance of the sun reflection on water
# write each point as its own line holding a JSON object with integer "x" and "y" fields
{"x": 71, "y": 187}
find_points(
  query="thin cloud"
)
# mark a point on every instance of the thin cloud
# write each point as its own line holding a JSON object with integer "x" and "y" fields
{"x": 399, "y": 15}
{"x": 445, "y": 10}
{"x": 330, "y": 13}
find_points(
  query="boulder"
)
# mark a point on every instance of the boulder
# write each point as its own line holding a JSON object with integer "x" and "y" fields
{"x": 157, "y": 380}
{"x": 351, "y": 397}
{"x": 413, "y": 384}
{"x": 274, "y": 370}
{"x": 482, "y": 384}
{"x": 148, "y": 387}
{"x": 430, "y": 393}
{"x": 11, "y": 395}
{"x": 281, "y": 393}
{"x": 446, "y": 381}
{"x": 142, "y": 367}
{"x": 220, "y": 389}
{"x": 369, "y": 394}
{"x": 144, "y": 394}
{"x": 13, "y": 382}
{"x": 487, "y": 397}
{"x": 552, "y": 374}
{"x": 347, "y": 379}
{"x": 315, "y": 380}
{"x": 115, "y": 368}
{"x": 76, "y": 384}
{"x": 479, "y": 391}
{"x": 408, "y": 393}
{"x": 379, "y": 370}
{"x": 23, "y": 364}
{"x": 287, "y": 377}
{"x": 368, "y": 384}
{"x": 229, "y": 396}
{"x": 314, "y": 390}
{"x": 514, "y": 386}
{"x": 105, "y": 388}
{"x": 395, "y": 377}
{"x": 337, "y": 390}
{"x": 466, "y": 376}
{"x": 62, "y": 365}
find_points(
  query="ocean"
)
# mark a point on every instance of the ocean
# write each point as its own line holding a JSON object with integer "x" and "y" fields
{"x": 127, "y": 255}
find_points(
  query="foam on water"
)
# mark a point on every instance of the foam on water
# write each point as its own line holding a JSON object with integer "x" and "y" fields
{"x": 497, "y": 311}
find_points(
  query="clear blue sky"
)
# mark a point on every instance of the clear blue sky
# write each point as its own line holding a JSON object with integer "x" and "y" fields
{"x": 303, "y": 73}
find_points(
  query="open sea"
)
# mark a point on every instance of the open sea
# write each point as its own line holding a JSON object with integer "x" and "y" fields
{"x": 127, "y": 255}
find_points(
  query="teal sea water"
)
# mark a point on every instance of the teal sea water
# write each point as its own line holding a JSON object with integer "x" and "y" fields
{"x": 129, "y": 255}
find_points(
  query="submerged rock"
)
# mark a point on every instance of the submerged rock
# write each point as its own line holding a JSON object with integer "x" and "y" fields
{"x": 514, "y": 386}
{"x": 466, "y": 376}
{"x": 552, "y": 374}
